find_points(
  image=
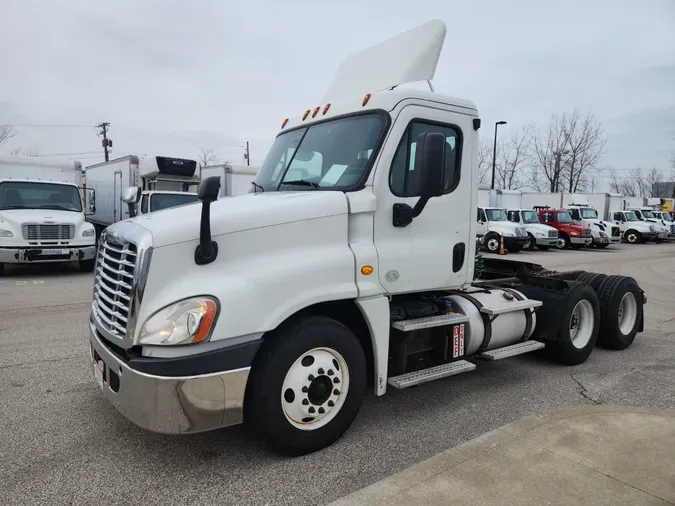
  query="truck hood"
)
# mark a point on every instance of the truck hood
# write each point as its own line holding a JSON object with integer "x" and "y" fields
{"x": 504, "y": 227}
{"x": 14, "y": 218}
{"x": 538, "y": 227}
{"x": 240, "y": 213}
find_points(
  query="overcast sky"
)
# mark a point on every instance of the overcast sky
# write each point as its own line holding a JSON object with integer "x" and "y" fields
{"x": 173, "y": 77}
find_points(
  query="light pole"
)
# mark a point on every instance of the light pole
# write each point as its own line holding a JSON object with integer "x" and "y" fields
{"x": 494, "y": 153}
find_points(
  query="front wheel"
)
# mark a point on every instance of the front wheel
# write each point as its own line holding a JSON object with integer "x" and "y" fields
{"x": 492, "y": 242}
{"x": 563, "y": 242}
{"x": 632, "y": 237}
{"x": 306, "y": 385}
{"x": 531, "y": 243}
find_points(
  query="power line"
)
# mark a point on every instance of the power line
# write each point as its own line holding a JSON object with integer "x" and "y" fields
{"x": 52, "y": 126}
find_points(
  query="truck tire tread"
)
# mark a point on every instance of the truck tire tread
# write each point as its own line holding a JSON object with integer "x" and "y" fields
{"x": 610, "y": 294}
{"x": 263, "y": 409}
{"x": 562, "y": 350}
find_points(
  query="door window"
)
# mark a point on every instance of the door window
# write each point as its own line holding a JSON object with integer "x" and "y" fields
{"x": 404, "y": 180}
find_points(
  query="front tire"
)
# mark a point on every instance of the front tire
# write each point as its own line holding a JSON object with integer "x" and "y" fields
{"x": 492, "y": 242}
{"x": 531, "y": 243}
{"x": 306, "y": 385}
{"x": 580, "y": 325}
{"x": 632, "y": 236}
{"x": 620, "y": 309}
{"x": 563, "y": 242}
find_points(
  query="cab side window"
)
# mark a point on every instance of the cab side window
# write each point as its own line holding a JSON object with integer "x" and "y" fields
{"x": 575, "y": 214}
{"x": 404, "y": 180}
{"x": 618, "y": 217}
{"x": 144, "y": 204}
{"x": 513, "y": 216}
{"x": 481, "y": 216}
{"x": 547, "y": 218}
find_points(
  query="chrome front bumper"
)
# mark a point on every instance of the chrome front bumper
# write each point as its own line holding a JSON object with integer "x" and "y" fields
{"x": 581, "y": 240}
{"x": 44, "y": 254}
{"x": 547, "y": 241}
{"x": 170, "y": 405}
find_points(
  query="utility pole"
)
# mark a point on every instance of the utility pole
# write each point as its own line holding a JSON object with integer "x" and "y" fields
{"x": 247, "y": 155}
{"x": 106, "y": 143}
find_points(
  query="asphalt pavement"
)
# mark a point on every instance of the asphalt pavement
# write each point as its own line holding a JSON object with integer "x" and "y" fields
{"x": 63, "y": 443}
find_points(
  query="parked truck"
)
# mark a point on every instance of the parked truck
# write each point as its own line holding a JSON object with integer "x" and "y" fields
{"x": 493, "y": 227}
{"x": 634, "y": 230}
{"x": 288, "y": 301}
{"x": 41, "y": 213}
{"x": 603, "y": 232}
{"x": 570, "y": 234}
{"x": 539, "y": 235}
{"x": 137, "y": 185}
{"x": 645, "y": 214}
{"x": 234, "y": 179}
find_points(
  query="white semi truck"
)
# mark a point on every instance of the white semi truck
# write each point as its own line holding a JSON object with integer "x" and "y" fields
{"x": 357, "y": 269}
{"x": 234, "y": 179}
{"x": 604, "y": 232}
{"x": 41, "y": 213}
{"x": 539, "y": 235}
{"x": 135, "y": 185}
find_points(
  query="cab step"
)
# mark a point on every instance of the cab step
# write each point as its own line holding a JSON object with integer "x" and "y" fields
{"x": 432, "y": 373}
{"x": 511, "y": 351}
{"x": 430, "y": 322}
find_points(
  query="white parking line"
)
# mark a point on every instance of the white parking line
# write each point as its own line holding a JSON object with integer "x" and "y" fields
{"x": 33, "y": 282}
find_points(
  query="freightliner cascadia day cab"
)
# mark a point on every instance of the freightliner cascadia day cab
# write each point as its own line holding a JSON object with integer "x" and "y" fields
{"x": 41, "y": 213}
{"x": 351, "y": 263}
{"x": 134, "y": 185}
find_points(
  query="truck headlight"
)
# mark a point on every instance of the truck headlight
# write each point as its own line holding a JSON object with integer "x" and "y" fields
{"x": 88, "y": 233}
{"x": 540, "y": 234}
{"x": 574, "y": 233}
{"x": 5, "y": 233}
{"x": 185, "y": 322}
{"x": 602, "y": 234}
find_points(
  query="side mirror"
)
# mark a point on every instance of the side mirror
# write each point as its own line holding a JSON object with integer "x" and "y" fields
{"x": 131, "y": 195}
{"x": 207, "y": 249}
{"x": 89, "y": 201}
{"x": 430, "y": 165}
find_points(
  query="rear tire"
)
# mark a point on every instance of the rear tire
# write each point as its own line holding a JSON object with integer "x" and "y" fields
{"x": 295, "y": 398}
{"x": 620, "y": 312}
{"x": 580, "y": 325}
{"x": 594, "y": 279}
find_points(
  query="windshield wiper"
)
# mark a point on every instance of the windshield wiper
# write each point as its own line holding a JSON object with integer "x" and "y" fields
{"x": 256, "y": 186}
{"x": 302, "y": 182}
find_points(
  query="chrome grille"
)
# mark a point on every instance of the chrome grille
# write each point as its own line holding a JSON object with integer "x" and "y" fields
{"x": 552, "y": 234}
{"x": 36, "y": 232}
{"x": 585, "y": 233}
{"x": 113, "y": 285}
{"x": 616, "y": 231}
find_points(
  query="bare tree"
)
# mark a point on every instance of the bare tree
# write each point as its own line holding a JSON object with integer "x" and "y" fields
{"x": 19, "y": 151}
{"x": 208, "y": 157}
{"x": 547, "y": 149}
{"x": 638, "y": 183}
{"x": 484, "y": 160}
{"x": 6, "y": 132}
{"x": 585, "y": 141}
{"x": 513, "y": 158}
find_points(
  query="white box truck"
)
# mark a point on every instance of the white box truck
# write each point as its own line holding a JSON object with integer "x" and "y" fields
{"x": 135, "y": 185}
{"x": 234, "y": 179}
{"x": 290, "y": 301}
{"x": 41, "y": 213}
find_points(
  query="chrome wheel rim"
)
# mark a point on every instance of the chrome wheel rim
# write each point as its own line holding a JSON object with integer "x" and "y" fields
{"x": 627, "y": 313}
{"x": 582, "y": 321}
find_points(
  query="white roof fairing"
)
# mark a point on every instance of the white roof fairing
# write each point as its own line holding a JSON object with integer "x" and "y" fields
{"x": 406, "y": 58}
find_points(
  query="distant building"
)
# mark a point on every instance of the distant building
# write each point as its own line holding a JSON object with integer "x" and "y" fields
{"x": 664, "y": 190}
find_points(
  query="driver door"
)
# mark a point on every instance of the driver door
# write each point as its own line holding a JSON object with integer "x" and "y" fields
{"x": 431, "y": 251}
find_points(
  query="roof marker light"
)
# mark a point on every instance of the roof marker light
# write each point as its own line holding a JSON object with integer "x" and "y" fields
{"x": 365, "y": 100}
{"x": 325, "y": 108}
{"x": 283, "y": 123}
{"x": 316, "y": 111}
{"x": 304, "y": 116}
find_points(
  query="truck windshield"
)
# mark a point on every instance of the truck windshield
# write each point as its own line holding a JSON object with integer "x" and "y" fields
{"x": 647, "y": 214}
{"x": 332, "y": 155}
{"x": 564, "y": 217}
{"x": 29, "y": 195}
{"x": 666, "y": 216}
{"x": 630, "y": 216}
{"x": 589, "y": 213}
{"x": 529, "y": 217}
{"x": 495, "y": 214}
{"x": 160, "y": 201}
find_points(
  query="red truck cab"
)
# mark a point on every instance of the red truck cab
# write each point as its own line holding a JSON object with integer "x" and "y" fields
{"x": 569, "y": 233}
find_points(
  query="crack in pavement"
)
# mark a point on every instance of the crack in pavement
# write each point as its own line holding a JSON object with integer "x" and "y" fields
{"x": 583, "y": 391}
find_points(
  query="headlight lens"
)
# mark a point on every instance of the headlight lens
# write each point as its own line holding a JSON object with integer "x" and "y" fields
{"x": 88, "y": 233}
{"x": 602, "y": 234}
{"x": 185, "y": 322}
{"x": 5, "y": 233}
{"x": 574, "y": 233}
{"x": 540, "y": 234}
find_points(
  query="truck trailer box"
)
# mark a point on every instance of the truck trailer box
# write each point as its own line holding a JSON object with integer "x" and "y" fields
{"x": 234, "y": 179}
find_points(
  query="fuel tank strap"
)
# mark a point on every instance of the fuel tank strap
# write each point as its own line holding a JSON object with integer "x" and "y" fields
{"x": 486, "y": 321}
{"x": 528, "y": 314}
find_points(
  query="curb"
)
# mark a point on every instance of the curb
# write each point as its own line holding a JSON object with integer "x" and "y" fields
{"x": 395, "y": 484}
